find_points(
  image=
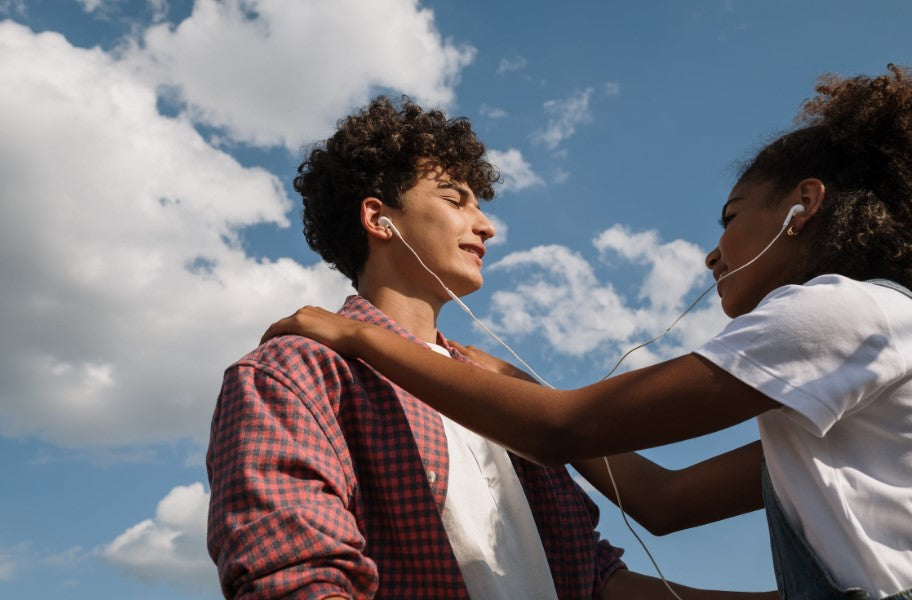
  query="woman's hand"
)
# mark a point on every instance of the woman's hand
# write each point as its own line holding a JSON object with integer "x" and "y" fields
{"x": 328, "y": 328}
{"x": 491, "y": 363}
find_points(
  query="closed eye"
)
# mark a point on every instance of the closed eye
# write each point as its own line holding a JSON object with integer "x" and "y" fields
{"x": 724, "y": 220}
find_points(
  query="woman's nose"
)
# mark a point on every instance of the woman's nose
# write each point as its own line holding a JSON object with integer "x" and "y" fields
{"x": 712, "y": 258}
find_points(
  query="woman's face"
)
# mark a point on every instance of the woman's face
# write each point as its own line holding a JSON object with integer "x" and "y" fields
{"x": 751, "y": 219}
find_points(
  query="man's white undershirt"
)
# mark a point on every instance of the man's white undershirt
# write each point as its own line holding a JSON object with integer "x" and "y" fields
{"x": 489, "y": 522}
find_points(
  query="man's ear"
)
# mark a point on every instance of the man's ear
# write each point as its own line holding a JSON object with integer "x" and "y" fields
{"x": 371, "y": 211}
{"x": 811, "y": 194}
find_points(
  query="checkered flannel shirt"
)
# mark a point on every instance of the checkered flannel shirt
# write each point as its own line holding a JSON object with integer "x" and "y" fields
{"x": 327, "y": 479}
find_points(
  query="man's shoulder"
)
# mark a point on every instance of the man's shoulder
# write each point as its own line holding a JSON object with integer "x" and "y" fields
{"x": 292, "y": 356}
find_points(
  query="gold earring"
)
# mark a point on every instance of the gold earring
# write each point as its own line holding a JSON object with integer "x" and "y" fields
{"x": 791, "y": 231}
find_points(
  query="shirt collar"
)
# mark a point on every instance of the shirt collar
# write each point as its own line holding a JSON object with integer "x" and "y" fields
{"x": 360, "y": 309}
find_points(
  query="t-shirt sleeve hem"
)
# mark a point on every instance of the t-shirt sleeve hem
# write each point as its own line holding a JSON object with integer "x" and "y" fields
{"x": 808, "y": 411}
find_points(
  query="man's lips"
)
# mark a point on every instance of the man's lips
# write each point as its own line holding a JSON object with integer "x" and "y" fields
{"x": 476, "y": 249}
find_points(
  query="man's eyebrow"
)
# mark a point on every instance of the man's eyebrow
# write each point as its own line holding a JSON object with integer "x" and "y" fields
{"x": 449, "y": 185}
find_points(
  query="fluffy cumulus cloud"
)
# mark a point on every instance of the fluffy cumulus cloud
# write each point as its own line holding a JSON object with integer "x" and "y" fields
{"x": 516, "y": 172}
{"x": 283, "y": 71}
{"x": 672, "y": 267}
{"x": 558, "y": 295}
{"x": 500, "y": 227}
{"x": 126, "y": 288}
{"x": 169, "y": 548}
{"x": 564, "y": 116}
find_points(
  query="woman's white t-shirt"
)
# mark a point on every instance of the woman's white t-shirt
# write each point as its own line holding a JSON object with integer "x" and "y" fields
{"x": 837, "y": 354}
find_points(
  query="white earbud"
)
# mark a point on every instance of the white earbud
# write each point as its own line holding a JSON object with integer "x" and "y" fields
{"x": 794, "y": 210}
{"x": 385, "y": 222}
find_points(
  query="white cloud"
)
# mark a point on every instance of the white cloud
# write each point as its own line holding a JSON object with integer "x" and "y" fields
{"x": 500, "y": 227}
{"x": 560, "y": 298}
{"x": 90, "y": 5}
{"x": 127, "y": 291}
{"x": 9, "y": 562}
{"x": 19, "y": 561}
{"x": 564, "y": 117}
{"x": 556, "y": 294}
{"x": 560, "y": 176}
{"x": 282, "y": 71}
{"x": 509, "y": 64}
{"x": 674, "y": 267}
{"x": 12, "y": 7}
{"x": 159, "y": 9}
{"x": 492, "y": 112}
{"x": 517, "y": 173}
{"x": 171, "y": 547}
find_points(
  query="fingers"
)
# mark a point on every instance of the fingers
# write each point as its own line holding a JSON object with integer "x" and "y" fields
{"x": 467, "y": 351}
{"x": 272, "y": 331}
{"x": 286, "y": 326}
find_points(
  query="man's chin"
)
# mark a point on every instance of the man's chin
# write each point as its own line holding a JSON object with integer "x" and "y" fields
{"x": 467, "y": 287}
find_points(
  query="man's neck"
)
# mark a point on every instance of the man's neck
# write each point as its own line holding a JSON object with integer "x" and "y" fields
{"x": 418, "y": 316}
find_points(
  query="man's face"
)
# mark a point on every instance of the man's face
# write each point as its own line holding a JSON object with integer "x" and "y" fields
{"x": 441, "y": 219}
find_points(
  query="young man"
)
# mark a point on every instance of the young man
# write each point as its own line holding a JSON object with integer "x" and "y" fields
{"x": 329, "y": 481}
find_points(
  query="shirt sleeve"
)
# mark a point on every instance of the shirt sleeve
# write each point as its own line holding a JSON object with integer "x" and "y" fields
{"x": 822, "y": 350}
{"x": 279, "y": 520}
{"x": 607, "y": 556}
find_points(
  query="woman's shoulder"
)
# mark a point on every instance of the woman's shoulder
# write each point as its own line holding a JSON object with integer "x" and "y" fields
{"x": 830, "y": 289}
{"x": 834, "y": 303}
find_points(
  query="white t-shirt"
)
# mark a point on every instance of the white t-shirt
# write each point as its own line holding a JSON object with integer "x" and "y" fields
{"x": 488, "y": 520}
{"x": 837, "y": 354}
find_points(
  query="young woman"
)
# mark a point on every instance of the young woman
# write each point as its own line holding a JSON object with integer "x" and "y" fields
{"x": 819, "y": 349}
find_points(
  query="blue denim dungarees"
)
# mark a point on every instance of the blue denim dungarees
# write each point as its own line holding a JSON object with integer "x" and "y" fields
{"x": 799, "y": 573}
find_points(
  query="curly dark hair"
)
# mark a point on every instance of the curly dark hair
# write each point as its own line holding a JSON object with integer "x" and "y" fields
{"x": 856, "y": 137}
{"x": 381, "y": 151}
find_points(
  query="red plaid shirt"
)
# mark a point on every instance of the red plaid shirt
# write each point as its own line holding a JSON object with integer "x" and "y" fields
{"x": 328, "y": 479}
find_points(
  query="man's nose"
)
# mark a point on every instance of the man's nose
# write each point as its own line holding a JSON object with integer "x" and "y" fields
{"x": 484, "y": 227}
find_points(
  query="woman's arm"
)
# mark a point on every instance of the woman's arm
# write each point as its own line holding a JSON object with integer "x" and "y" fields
{"x": 664, "y": 500}
{"x": 679, "y": 399}
{"x": 627, "y": 584}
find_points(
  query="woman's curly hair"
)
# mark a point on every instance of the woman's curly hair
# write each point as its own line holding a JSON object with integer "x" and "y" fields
{"x": 857, "y": 139}
{"x": 381, "y": 151}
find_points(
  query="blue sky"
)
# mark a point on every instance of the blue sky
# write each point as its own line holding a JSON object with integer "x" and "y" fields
{"x": 150, "y": 232}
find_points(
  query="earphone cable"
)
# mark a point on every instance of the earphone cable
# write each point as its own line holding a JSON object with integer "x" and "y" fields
{"x": 617, "y": 493}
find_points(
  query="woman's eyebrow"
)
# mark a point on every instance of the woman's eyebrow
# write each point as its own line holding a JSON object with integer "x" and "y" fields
{"x": 730, "y": 201}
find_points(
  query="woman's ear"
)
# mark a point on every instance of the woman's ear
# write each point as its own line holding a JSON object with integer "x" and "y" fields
{"x": 811, "y": 194}
{"x": 371, "y": 211}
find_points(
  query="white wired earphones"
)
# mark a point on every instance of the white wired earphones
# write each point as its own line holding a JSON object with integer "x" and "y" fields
{"x": 385, "y": 222}
{"x": 794, "y": 210}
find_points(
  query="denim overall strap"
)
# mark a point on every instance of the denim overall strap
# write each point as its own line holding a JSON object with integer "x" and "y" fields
{"x": 892, "y": 285}
{"x": 799, "y": 574}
